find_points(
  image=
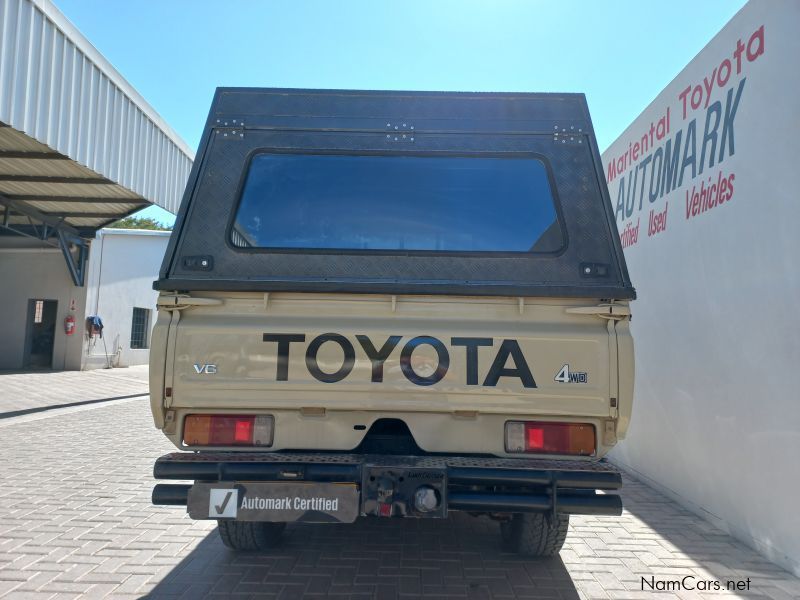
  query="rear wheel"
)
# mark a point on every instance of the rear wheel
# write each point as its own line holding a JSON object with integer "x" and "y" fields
{"x": 535, "y": 534}
{"x": 248, "y": 536}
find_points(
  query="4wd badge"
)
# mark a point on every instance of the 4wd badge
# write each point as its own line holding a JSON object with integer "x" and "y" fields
{"x": 567, "y": 376}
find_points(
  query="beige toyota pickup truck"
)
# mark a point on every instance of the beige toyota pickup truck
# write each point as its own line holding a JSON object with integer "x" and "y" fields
{"x": 393, "y": 305}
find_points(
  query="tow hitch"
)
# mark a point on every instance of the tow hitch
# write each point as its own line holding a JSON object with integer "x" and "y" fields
{"x": 403, "y": 492}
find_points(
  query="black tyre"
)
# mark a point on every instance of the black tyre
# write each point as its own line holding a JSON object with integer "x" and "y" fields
{"x": 247, "y": 536}
{"x": 535, "y": 534}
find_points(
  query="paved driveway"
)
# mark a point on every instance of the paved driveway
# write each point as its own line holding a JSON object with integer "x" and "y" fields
{"x": 76, "y": 521}
{"x": 32, "y": 392}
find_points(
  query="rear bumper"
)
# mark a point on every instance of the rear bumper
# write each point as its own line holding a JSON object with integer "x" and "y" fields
{"x": 474, "y": 484}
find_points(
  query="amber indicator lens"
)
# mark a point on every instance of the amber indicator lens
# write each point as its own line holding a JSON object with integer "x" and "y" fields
{"x": 547, "y": 437}
{"x": 228, "y": 430}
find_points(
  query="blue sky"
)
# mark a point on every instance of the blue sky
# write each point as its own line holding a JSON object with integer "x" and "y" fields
{"x": 621, "y": 54}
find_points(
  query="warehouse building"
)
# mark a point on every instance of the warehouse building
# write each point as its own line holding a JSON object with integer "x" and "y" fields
{"x": 120, "y": 293}
{"x": 79, "y": 149}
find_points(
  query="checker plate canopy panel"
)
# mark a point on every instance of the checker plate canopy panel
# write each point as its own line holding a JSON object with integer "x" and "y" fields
{"x": 556, "y": 127}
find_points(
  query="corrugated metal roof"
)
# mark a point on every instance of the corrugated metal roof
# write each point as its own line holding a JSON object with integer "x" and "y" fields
{"x": 77, "y": 118}
{"x": 32, "y": 176}
{"x": 51, "y": 167}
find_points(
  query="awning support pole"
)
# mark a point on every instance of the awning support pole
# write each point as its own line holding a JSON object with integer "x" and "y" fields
{"x": 47, "y": 226}
{"x": 76, "y": 268}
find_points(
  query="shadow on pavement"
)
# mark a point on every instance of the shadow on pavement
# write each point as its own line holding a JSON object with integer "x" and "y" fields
{"x": 674, "y": 542}
{"x": 28, "y": 411}
{"x": 457, "y": 557}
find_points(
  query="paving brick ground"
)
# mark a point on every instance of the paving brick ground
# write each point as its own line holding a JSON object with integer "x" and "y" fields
{"x": 76, "y": 521}
{"x": 23, "y": 391}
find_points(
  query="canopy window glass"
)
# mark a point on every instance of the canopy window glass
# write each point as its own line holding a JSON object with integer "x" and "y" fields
{"x": 397, "y": 203}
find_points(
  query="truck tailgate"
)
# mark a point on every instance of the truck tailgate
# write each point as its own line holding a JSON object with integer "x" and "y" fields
{"x": 259, "y": 351}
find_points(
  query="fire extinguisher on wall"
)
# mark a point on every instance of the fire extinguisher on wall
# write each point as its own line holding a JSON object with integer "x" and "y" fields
{"x": 69, "y": 325}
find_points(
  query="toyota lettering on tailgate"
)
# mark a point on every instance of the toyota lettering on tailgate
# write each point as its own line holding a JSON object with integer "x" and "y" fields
{"x": 508, "y": 361}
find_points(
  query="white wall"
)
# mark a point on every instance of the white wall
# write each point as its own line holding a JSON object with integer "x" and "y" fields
{"x": 124, "y": 265}
{"x": 716, "y": 419}
{"x": 37, "y": 274}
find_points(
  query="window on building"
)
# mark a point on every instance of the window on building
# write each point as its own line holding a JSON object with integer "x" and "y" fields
{"x": 140, "y": 328}
{"x": 37, "y": 311}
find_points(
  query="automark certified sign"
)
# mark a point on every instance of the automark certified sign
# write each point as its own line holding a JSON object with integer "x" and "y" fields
{"x": 257, "y": 501}
{"x": 222, "y": 504}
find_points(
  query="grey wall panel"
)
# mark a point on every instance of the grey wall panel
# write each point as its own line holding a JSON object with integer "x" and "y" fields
{"x": 58, "y": 89}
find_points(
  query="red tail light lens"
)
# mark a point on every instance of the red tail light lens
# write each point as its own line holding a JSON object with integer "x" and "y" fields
{"x": 243, "y": 431}
{"x": 547, "y": 437}
{"x": 228, "y": 430}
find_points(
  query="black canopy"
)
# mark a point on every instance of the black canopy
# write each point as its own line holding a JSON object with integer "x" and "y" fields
{"x": 207, "y": 253}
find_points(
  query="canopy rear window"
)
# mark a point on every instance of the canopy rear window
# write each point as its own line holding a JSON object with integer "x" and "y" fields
{"x": 381, "y": 202}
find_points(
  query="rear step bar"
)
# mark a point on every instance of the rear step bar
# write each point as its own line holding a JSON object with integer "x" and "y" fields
{"x": 527, "y": 485}
{"x": 172, "y": 494}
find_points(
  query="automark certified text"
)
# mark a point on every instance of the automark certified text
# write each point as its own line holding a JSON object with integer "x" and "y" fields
{"x": 289, "y": 503}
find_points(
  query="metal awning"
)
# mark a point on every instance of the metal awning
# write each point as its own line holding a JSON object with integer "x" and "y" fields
{"x": 79, "y": 146}
{"x": 35, "y": 180}
{"x": 46, "y": 196}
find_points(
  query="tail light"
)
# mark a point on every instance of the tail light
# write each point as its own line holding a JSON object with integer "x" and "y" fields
{"x": 228, "y": 430}
{"x": 547, "y": 437}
